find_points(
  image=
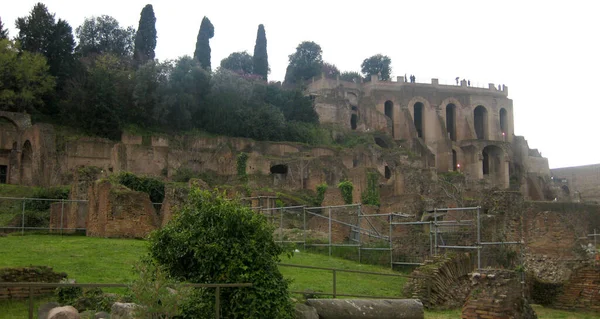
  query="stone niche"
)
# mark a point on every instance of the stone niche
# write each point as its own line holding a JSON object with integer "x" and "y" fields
{"x": 116, "y": 211}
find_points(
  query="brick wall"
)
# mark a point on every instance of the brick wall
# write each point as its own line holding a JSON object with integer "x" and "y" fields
{"x": 27, "y": 274}
{"x": 582, "y": 291}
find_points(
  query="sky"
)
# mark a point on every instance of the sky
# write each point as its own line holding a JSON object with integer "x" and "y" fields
{"x": 546, "y": 52}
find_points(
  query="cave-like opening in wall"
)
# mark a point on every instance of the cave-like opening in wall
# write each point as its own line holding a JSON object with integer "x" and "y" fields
{"x": 454, "y": 161}
{"x": 418, "y": 118}
{"x": 281, "y": 169}
{"x": 492, "y": 156}
{"x": 480, "y": 121}
{"x": 353, "y": 121}
{"x": 503, "y": 122}
{"x": 379, "y": 141}
{"x": 389, "y": 112}
{"x": 451, "y": 121}
{"x": 388, "y": 172}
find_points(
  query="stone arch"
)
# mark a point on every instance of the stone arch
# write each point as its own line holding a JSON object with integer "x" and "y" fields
{"x": 26, "y": 164}
{"x": 352, "y": 99}
{"x": 451, "y": 121}
{"x": 418, "y": 107}
{"x": 480, "y": 122}
{"x": 279, "y": 169}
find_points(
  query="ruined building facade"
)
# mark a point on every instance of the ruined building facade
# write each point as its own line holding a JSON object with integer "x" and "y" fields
{"x": 452, "y": 127}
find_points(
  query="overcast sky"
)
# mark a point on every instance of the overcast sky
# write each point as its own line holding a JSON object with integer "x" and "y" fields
{"x": 546, "y": 52}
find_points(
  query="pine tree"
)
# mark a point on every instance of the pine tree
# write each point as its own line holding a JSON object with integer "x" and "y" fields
{"x": 260, "y": 59}
{"x": 3, "y": 31}
{"x": 202, "y": 53}
{"x": 145, "y": 38}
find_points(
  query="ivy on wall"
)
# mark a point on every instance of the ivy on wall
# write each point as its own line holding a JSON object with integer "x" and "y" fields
{"x": 242, "y": 162}
{"x": 371, "y": 195}
{"x": 346, "y": 187}
{"x": 321, "y": 189}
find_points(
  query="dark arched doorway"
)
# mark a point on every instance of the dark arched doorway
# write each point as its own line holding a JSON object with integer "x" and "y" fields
{"x": 503, "y": 122}
{"x": 480, "y": 121}
{"x": 388, "y": 172}
{"x": 418, "y": 118}
{"x": 454, "y": 161}
{"x": 26, "y": 163}
{"x": 389, "y": 112}
{"x": 353, "y": 121}
{"x": 451, "y": 121}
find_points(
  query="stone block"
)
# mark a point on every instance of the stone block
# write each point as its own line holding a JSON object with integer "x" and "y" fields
{"x": 44, "y": 309}
{"x": 122, "y": 310}
{"x": 368, "y": 308}
{"x": 66, "y": 312}
{"x": 303, "y": 311}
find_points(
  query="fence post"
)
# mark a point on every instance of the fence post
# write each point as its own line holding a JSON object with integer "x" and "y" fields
{"x": 23, "y": 219}
{"x": 304, "y": 225}
{"x": 436, "y": 231}
{"x": 358, "y": 232}
{"x": 62, "y": 213}
{"x": 30, "y": 302}
{"x": 217, "y": 302}
{"x": 391, "y": 244}
{"x": 281, "y": 226}
{"x": 334, "y": 284}
{"x": 478, "y": 239}
{"x": 329, "y": 231}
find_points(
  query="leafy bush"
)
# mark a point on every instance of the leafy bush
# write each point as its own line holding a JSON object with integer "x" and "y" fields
{"x": 150, "y": 185}
{"x": 241, "y": 162}
{"x": 371, "y": 195}
{"x": 321, "y": 189}
{"x": 215, "y": 240}
{"x": 59, "y": 192}
{"x": 183, "y": 174}
{"x": 346, "y": 187}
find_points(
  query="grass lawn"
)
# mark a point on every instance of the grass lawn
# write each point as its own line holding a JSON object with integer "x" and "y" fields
{"x": 100, "y": 260}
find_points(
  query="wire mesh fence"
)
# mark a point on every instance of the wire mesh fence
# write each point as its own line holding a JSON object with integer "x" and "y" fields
{"x": 42, "y": 215}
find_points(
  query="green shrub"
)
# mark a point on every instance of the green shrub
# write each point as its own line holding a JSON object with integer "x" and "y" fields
{"x": 321, "y": 189}
{"x": 216, "y": 240}
{"x": 154, "y": 187}
{"x": 68, "y": 295}
{"x": 242, "y": 162}
{"x": 371, "y": 195}
{"x": 59, "y": 192}
{"x": 346, "y": 187}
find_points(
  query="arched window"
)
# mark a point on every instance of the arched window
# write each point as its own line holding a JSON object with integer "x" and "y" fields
{"x": 418, "y": 118}
{"x": 389, "y": 112}
{"x": 353, "y": 121}
{"x": 503, "y": 122}
{"x": 480, "y": 121}
{"x": 451, "y": 121}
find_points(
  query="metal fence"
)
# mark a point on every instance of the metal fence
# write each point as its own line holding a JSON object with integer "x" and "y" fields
{"x": 397, "y": 239}
{"x": 32, "y": 285}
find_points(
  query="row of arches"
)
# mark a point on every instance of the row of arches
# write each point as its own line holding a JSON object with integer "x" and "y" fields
{"x": 480, "y": 120}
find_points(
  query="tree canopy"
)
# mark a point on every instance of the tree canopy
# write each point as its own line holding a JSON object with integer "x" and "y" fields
{"x": 202, "y": 53}
{"x": 102, "y": 34}
{"x": 260, "y": 59}
{"x": 240, "y": 62}
{"x": 305, "y": 63}
{"x": 24, "y": 79}
{"x": 145, "y": 37}
{"x": 375, "y": 65}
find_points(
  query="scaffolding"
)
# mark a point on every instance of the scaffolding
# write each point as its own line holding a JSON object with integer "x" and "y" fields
{"x": 349, "y": 232}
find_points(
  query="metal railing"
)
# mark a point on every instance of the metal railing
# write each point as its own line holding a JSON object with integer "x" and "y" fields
{"x": 334, "y": 272}
{"x": 32, "y": 285}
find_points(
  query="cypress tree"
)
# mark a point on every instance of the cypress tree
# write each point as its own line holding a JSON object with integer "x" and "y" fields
{"x": 260, "y": 59}
{"x": 202, "y": 53}
{"x": 145, "y": 38}
{"x": 3, "y": 31}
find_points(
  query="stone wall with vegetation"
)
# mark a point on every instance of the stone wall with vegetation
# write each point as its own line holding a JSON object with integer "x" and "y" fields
{"x": 28, "y": 274}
